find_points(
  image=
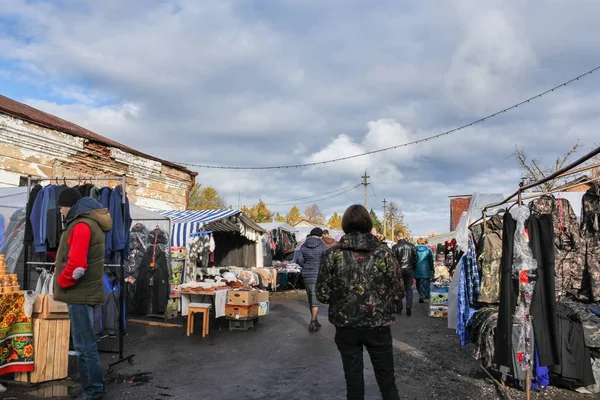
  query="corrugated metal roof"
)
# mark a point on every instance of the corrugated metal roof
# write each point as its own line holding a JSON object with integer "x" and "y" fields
{"x": 27, "y": 113}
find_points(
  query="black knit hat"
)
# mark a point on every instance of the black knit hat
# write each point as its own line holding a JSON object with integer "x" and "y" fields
{"x": 68, "y": 197}
{"x": 316, "y": 232}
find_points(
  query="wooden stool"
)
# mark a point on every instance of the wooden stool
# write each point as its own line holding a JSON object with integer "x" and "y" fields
{"x": 203, "y": 308}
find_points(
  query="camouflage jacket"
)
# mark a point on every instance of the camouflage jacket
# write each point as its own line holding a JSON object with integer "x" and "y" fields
{"x": 569, "y": 247}
{"x": 361, "y": 281}
{"x": 590, "y": 230}
{"x": 489, "y": 260}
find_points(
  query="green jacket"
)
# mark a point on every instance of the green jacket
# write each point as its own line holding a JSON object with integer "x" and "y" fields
{"x": 361, "y": 281}
{"x": 90, "y": 288}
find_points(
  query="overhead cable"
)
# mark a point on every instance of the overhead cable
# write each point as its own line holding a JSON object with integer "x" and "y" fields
{"x": 433, "y": 137}
{"x": 319, "y": 200}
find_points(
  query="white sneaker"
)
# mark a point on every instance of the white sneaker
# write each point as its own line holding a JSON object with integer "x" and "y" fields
{"x": 2, "y": 388}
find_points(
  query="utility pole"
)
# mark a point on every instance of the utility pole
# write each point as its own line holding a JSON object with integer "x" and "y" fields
{"x": 384, "y": 219}
{"x": 365, "y": 184}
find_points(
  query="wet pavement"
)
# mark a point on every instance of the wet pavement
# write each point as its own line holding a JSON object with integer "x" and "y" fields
{"x": 279, "y": 359}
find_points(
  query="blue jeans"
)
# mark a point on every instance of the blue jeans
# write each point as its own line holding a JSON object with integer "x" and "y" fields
{"x": 84, "y": 342}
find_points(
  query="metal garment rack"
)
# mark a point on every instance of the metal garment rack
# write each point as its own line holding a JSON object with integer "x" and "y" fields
{"x": 120, "y": 268}
{"x": 519, "y": 195}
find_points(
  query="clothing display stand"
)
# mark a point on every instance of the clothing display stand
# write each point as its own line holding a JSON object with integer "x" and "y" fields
{"x": 120, "y": 268}
{"x": 519, "y": 195}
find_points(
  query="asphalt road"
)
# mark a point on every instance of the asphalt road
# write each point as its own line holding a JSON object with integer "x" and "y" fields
{"x": 280, "y": 359}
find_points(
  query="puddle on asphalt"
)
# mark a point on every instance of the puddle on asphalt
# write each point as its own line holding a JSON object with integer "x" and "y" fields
{"x": 133, "y": 380}
{"x": 53, "y": 390}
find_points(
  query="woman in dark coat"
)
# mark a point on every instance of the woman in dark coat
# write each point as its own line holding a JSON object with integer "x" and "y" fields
{"x": 309, "y": 258}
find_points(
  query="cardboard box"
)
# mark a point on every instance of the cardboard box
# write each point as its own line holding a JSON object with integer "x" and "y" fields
{"x": 262, "y": 296}
{"x": 263, "y": 308}
{"x": 438, "y": 311}
{"x": 45, "y": 307}
{"x": 242, "y": 298}
{"x": 238, "y": 312}
{"x": 438, "y": 299}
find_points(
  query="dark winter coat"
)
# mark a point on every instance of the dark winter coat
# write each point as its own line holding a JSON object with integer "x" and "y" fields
{"x": 406, "y": 254}
{"x": 310, "y": 255}
{"x": 361, "y": 281}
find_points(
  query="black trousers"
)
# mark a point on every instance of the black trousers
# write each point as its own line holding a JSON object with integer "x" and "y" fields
{"x": 378, "y": 341}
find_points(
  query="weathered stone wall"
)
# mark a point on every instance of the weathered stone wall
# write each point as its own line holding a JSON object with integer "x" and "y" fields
{"x": 28, "y": 149}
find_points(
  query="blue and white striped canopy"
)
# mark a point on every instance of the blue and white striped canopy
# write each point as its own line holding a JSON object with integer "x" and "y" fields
{"x": 187, "y": 222}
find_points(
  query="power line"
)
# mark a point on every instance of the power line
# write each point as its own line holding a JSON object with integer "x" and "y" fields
{"x": 318, "y": 200}
{"x": 309, "y": 197}
{"x": 375, "y": 194}
{"x": 478, "y": 121}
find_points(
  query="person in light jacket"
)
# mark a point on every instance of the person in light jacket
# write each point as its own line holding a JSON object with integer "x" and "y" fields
{"x": 309, "y": 258}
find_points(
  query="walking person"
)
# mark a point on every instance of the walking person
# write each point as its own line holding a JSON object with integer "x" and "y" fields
{"x": 309, "y": 258}
{"x": 360, "y": 279}
{"x": 424, "y": 269}
{"x": 79, "y": 280}
{"x": 406, "y": 254}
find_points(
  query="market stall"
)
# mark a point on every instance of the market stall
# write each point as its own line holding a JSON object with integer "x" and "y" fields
{"x": 527, "y": 287}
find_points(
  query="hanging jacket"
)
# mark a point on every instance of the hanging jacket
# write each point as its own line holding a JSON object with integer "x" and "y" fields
{"x": 361, "y": 281}
{"x": 28, "y": 227}
{"x": 309, "y": 256}
{"x": 590, "y": 230}
{"x": 86, "y": 287}
{"x": 490, "y": 257}
{"x": 153, "y": 284}
{"x": 53, "y": 217}
{"x": 424, "y": 269}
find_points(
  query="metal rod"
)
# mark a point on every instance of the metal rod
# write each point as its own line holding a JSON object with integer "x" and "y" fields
{"x": 99, "y": 178}
{"x": 52, "y": 263}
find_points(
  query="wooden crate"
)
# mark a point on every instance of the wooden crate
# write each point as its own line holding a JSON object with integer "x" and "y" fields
{"x": 50, "y": 351}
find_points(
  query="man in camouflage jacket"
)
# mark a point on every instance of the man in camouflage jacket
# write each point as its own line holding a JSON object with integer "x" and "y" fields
{"x": 361, "y": 281}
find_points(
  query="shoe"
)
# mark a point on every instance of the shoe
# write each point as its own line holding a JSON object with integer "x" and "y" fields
{"x": 408, "y": 311}
{"x": 421, "y": 301}
{"x": 318, "y": 324}
{"x": 312, "y": 327}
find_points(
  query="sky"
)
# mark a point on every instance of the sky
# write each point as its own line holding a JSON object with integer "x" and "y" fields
{"x": 263, "y": 83}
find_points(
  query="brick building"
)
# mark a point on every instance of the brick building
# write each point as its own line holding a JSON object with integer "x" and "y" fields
{"x": 458, "y": 205}
{"x": 36, "y": 143}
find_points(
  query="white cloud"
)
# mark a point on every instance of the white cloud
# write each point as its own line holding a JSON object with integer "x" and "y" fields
{"x": 237, "y": 83}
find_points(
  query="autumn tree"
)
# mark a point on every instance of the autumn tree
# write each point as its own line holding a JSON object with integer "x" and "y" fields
{"x": 313, "y": 214}
{"x": 394, "y": 220}
{"x": 293, "y": 217}
{"x": 279, "y": 218}
{"x": 376, "y": 221}
{"x": 335, "y": 222}
{"x": 205, "y": 198}
{"x": 258, "y": 213}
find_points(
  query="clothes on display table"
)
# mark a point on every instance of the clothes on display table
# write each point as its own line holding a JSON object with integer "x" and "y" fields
{"x": 44, "y": 221}
{"x": 199, "y": 250}
{"x": 590, "y": 230}
{"x": 152, "y": 287}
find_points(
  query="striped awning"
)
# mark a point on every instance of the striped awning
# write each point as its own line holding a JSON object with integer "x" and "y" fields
{"x": 187, "y": 222}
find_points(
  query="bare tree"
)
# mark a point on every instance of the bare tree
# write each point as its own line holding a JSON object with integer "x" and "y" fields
{"x": 534, "y": 170}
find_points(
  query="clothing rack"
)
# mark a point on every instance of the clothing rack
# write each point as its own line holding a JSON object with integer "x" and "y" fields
{"x": 120, "y": 268}
{"x": 519, "y": 194}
